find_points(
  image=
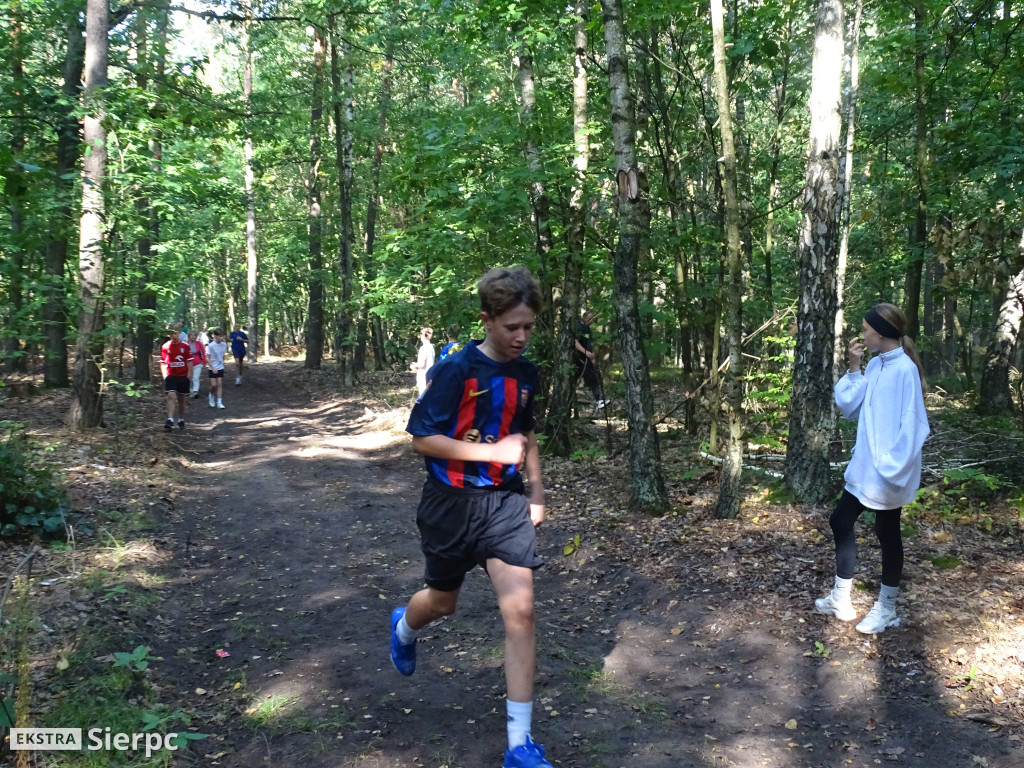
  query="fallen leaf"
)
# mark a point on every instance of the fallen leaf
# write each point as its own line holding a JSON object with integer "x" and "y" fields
{"x": 791, "y": 724}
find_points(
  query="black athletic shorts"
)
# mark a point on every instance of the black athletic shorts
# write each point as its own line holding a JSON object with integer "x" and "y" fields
{"x": 177, "y": 384}
{"x": 217, "y": 374}
{"x": 463, "y": 528}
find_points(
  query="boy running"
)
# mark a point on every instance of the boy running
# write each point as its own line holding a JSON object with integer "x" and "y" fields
{"x": 215, "y": 353}
{"x": 474, "y": 510}
{"x": 238, "y": 341}
{"x": 174, "y": 357}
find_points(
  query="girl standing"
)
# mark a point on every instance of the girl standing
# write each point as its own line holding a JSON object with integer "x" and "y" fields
{"x": 884, "y": 473}
{"x": 424, "y": 360}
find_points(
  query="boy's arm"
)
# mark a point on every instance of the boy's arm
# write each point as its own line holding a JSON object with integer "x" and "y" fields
{"x": 536, "y": 482}
{"x": 508, "y": 450}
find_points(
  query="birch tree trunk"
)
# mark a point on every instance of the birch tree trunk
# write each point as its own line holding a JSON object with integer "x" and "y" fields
{"x": 729, "y": 495}
{"x": 994, "y": 395}
{"x": 812, "y": 417}
{"x": 563, "y": 379}
{"x": 845, "y": 182}
{"x": 252, "y": 265}
{"x": 314, "y": 215}
{"x": 87, "y": 404}
{"x": 647, "y": 484}
{"x": 55, "y": 365}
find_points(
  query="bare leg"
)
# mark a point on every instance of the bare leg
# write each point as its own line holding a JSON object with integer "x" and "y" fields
{"x": 513, "y": 585}
{"x": 429, "y": 604}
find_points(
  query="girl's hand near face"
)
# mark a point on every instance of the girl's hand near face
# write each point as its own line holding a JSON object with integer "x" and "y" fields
{"x": 855, "y": 352}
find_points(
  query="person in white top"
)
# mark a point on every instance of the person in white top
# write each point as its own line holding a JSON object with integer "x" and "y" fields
{"x": 215, "y": 352}
{"x": 425, "y": 359}
{"x": 887, "y": 401}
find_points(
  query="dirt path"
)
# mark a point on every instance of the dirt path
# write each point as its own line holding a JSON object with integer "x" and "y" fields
{"x": 305, "y": 540}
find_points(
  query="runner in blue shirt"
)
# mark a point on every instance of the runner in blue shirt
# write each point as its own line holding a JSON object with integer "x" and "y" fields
{"x": 474, "y": 426}
{"x": 453, "y": 345}
{"x": 238, "y": 343}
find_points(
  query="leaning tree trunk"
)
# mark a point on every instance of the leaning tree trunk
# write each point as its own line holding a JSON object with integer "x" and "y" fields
{"x": 812, "y": 417}
{"x": 55, "y": 365}
{"x": 729, "y": 495}
{"x": 994, "y": 397}
{"x": 314, "y": 217}
{"x": 563, "y": 379}
{"x": 87, "y": 404}
{"x": 634, "y": 224}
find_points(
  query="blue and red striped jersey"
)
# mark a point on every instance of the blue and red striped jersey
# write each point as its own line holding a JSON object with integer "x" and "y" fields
{"x": 473, "y": 398}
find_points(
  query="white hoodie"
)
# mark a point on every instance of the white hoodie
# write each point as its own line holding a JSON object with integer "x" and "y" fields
{"x": 892, "y": 425}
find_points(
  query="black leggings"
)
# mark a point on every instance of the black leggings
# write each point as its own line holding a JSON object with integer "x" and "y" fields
{"x": 887, "y": 529}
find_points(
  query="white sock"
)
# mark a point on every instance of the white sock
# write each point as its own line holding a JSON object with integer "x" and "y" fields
{"x": 887, "y": 596}
{"x": 219, "y": 401}
{"x": 842, "y": 589}
{"x": 520, "y": 713}
{"x": 406, "y": 634}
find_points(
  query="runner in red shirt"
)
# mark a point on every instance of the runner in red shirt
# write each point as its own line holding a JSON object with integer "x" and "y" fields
{"x": 174, "y": 357}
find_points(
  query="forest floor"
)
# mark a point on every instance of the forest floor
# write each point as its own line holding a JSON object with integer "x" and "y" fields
{"x": 258, "y": 555}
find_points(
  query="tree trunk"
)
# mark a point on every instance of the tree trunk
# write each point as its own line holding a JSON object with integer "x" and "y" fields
{"x": 252, "y": 266}
{"x": 87, "y": 404}
{"x": 994, "y": 395}
{"x": 541, "y": 205}
{"x": 372, "y": 207}
{"x": 55, "y": 365}
{"x": 919, "y": 232}
{"x": 845, "y": 183}
{"x": 812, "y": 417}
{"x": 558, "y": 425}
{"x": 343, "y": 118}
{"x": 315, "y": 221}
{"x": 15, "y": 190}
{"x": 145, "y": 330}
{"x": 729, "y": 492}
{"x": 646, "y": 481}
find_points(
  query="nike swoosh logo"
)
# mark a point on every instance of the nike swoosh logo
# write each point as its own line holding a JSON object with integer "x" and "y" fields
{"x": 477, "y": 394}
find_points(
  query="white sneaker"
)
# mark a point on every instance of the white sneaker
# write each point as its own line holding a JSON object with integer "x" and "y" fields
{"x": 212, "y": 404}
{"x": 220, "y": 404}
{"x": 238, "y": 380}
{"x": 878, "y": 619}
{"x": 841, "y": 609}
{"x": 601, "y": 404}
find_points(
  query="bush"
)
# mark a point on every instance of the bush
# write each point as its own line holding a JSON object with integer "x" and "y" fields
{"x": 30, "y": 502}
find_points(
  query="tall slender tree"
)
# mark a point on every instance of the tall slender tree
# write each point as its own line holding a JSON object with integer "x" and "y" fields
{"x": 563, "y": 379}
{"x": 314, "y": 214}
{"x": 252, "y": 265}
{"x": 87, "y": 405}
{"x": 812, "y": 416}
{"x": 729, "y": 495}
{"x": 645, "y": 470}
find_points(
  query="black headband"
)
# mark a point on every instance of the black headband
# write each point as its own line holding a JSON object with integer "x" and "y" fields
{"x": 880, "y": 324}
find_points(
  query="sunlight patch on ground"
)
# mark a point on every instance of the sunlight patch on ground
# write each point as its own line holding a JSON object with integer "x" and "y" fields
{"x": 366, "y": 441}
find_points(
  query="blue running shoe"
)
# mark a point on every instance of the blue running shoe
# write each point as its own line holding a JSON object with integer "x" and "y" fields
{"x": 528, "y": 755}
{"x": 402, "y": 656}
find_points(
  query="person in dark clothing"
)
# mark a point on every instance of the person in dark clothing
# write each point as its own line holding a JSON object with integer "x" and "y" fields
{"x": 584, "y": 359}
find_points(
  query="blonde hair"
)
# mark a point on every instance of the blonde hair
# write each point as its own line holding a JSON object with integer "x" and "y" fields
{"x": 895, "y": 317}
